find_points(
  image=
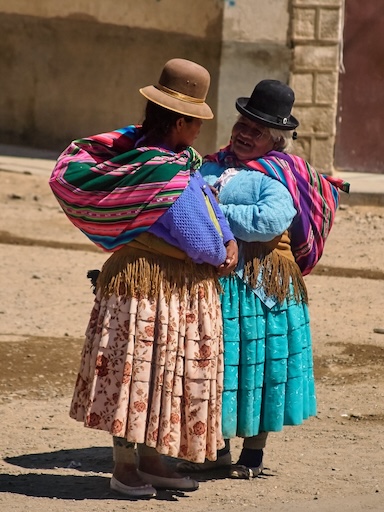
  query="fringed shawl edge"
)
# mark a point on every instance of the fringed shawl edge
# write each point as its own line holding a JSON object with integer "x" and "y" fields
{"x": 137, "y": 273}
{"x": 277, "y": 275}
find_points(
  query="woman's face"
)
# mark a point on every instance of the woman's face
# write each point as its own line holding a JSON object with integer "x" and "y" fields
{"x": 188, "y": 131}
{"x": 250, "y": 139}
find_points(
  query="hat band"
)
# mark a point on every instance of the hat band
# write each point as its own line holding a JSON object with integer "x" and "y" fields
{"x": 267, "y": 117}
{"x": 178, "y": 95}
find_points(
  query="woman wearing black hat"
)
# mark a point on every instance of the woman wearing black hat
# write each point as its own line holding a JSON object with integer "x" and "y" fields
{"x": 280, "y": 210}
{"x": 151, "y": 370}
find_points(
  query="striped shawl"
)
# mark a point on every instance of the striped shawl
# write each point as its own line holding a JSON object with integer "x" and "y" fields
{"x": 113, "y": 191}
{"x": 315, "y": 197}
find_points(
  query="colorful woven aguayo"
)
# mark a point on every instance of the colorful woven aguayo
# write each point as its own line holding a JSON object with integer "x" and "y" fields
{"x": 315, "y": 197}
{"x": 113, "y": 191}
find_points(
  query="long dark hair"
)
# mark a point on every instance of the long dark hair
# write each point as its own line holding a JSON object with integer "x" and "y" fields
{"x": 158, "y": 122}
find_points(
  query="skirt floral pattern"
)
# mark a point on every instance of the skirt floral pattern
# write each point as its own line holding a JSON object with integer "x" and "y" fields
{"x": 152, "y": 372}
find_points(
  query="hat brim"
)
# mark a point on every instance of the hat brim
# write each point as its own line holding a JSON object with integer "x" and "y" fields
{"x": 200, "y": 110}
{"x": 241, "y": 104}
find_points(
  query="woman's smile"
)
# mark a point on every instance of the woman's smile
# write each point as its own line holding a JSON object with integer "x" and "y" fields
{"x": 250, "y": 140}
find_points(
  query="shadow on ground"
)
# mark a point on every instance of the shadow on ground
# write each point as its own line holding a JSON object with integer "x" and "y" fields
{"x": 95, "y": 459}
{"x": 71, "y": 486}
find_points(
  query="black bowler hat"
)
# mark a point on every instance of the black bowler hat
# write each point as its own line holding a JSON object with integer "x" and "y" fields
{"x": 270, "y": 104}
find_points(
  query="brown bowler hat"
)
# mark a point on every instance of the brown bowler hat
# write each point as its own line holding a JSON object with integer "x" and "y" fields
{"x": 183, "y": 86}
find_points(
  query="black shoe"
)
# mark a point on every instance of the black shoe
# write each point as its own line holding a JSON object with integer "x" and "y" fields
{"x": 249, "y": 465}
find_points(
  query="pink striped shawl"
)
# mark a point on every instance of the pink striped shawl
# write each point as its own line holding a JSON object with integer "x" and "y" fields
{"x": 113, "y": 191}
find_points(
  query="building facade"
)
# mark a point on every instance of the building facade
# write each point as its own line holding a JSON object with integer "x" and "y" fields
{"x": 73, "y": 68}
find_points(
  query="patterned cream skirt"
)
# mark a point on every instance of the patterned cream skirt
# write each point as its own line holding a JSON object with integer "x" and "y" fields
{"x": 152, "y": 372}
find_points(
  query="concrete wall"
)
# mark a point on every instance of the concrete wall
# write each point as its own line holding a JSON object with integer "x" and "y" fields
{"x": 74, "y": 68}
{"x": 255, "y": 46}
{"x": 197, "y": 18}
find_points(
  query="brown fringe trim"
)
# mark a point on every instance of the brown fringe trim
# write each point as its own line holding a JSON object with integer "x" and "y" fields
{"x": 277, "y": 272}
{"x": 138, "y": 273}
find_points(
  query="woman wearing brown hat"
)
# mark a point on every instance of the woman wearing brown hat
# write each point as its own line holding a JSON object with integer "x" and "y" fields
{"x": 280, "y": 210}
{"x": 152, "y": 362}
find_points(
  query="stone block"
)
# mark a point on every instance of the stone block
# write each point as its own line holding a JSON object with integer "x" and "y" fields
{"x": 304, "y": 24}
{"x": 317, "y": 3}
{"x": 322, "y": 151}
{"x": 303, "y": 85}
{"x": 316, "y": 120}
{"x": 302, "y": 147}
{"x": 329, "y": 24}
{"x": 326, "y": 88}
{"x": 309, "y": 57}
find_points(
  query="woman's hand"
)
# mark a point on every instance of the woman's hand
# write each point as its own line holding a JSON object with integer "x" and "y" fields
{"x": 230, "y": 261}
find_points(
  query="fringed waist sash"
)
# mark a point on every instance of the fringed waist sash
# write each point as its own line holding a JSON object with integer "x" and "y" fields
{"x": 271, "y": 265}
{"x": 148, "y": 263}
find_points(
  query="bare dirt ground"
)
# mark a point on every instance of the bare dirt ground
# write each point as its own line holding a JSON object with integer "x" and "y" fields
{"x": 335, "y": 461}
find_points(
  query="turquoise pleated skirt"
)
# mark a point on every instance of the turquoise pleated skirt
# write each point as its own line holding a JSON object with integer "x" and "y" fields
{"x": 268, "y": 363}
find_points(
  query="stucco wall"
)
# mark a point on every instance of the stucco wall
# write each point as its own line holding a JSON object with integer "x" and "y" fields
{"x": 71, "y": 69}
{"x": 74, "y": 68}
{"x": 197, "y": 18}
{"x": 255, "y": 46}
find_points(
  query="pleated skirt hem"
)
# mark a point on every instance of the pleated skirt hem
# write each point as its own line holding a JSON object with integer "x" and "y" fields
{"x": 268, "y": 363}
